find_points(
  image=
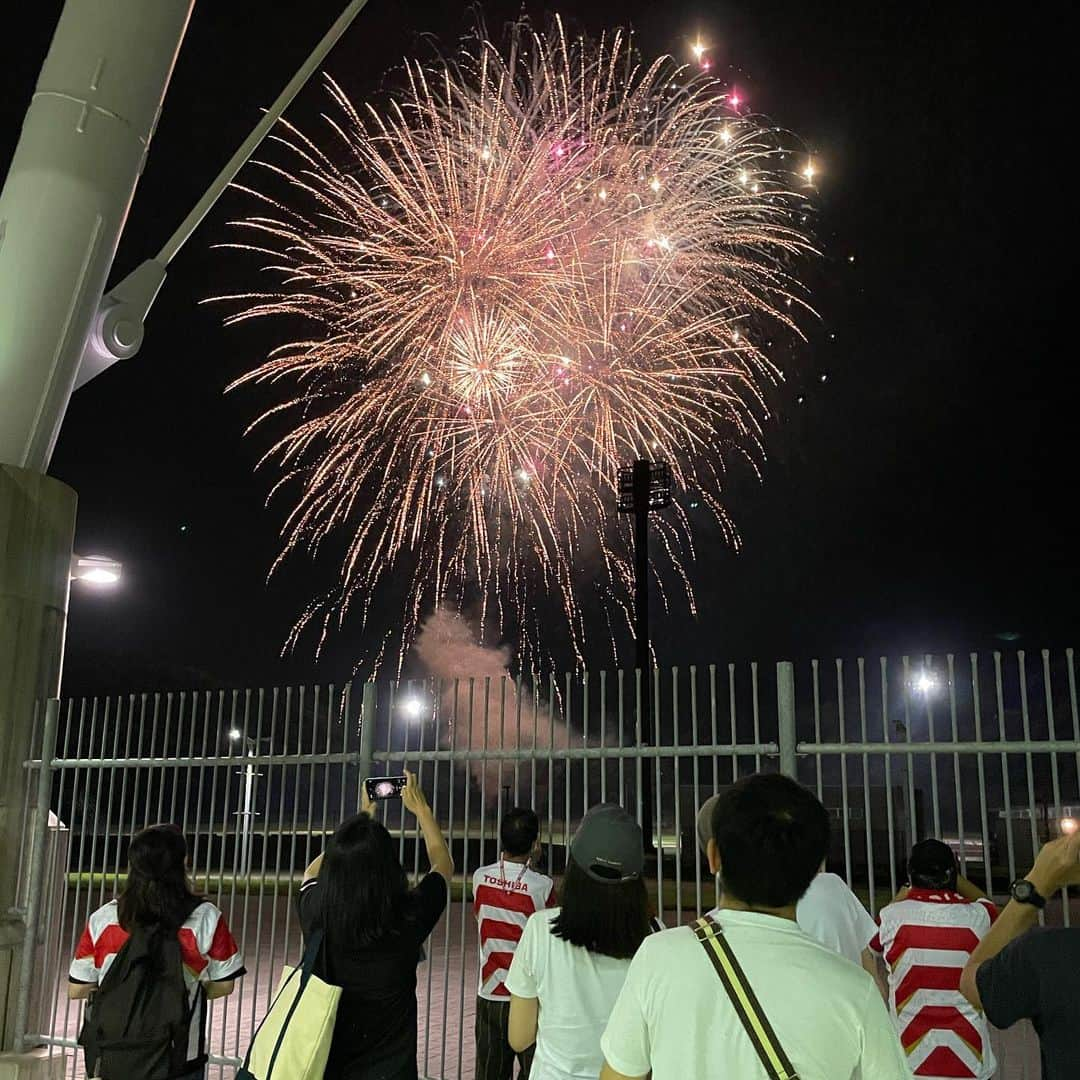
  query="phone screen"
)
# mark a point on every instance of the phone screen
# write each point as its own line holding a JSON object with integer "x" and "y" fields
{"x": 384, "y": 787}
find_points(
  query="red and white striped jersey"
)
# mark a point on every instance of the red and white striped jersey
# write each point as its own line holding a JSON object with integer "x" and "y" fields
{"x": 208, "y": 952}
{"x": 926, "y": 940}
{"x": 505, "y": 894}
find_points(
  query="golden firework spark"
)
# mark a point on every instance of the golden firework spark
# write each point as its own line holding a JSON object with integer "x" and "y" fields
{"x": 535, "y": 263}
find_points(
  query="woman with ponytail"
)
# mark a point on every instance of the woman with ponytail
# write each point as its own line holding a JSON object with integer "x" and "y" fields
{"x": 158, "y": 895}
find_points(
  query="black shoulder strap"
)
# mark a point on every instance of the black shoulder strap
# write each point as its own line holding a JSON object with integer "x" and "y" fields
{"x": 744, "y": 1000}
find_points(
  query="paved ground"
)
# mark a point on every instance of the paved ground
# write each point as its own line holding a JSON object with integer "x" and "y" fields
{"x": 446, "y": 983}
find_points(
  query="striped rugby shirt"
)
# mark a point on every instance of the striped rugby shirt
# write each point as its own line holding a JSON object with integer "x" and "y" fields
{"x": 505, "y": 894}
{"x": 926, "y": 940}
{"x": 208, "y": 953}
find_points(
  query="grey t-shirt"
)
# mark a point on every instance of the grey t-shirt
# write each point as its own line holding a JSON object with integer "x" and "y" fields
{"x": 1037, "y": 978}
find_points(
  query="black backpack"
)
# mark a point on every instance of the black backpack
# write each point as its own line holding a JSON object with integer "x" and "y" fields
{"x": 138, "y": 1025}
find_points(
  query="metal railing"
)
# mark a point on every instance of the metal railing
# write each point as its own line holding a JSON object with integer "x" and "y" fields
{"x": 982, "y": 752}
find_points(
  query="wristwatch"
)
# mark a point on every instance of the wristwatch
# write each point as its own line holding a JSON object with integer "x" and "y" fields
{"x": 1023, "y": 892}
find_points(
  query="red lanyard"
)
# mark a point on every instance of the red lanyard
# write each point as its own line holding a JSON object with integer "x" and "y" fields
{"x": 502, "y": 872}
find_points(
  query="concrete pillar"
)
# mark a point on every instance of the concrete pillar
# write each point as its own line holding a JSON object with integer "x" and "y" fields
{"x": 37, "y": 529}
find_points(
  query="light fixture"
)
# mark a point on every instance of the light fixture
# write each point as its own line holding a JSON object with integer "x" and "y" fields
{"x": 96, "y": 569}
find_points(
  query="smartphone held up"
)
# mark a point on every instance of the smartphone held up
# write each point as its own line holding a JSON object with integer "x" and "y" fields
{"x": 381, "y": 788}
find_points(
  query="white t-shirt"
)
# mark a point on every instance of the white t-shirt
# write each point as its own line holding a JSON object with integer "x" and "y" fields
{"x": 576, "y": 989}
{"x": 832, "y": 914}
{"x": 674, "y": 1017}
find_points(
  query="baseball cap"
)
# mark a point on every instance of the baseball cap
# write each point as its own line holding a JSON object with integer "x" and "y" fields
{"x": 608, "y": 845}
{"x": 704, "y": 822}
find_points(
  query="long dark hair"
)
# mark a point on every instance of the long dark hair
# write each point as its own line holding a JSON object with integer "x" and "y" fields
{"x": 365, "y": 892}
{"x": 611, "y": 918}
{"x": 157, "y": 891}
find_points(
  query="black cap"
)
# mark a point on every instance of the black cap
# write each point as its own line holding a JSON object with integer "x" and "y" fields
{"x": 608, "y": 845}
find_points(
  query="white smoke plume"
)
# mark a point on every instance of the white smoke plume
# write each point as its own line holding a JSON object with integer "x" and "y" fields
{"x": 464, "y": 670}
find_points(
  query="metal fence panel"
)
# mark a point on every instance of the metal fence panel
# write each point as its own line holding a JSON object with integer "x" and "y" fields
{"x": 983, "y": 752}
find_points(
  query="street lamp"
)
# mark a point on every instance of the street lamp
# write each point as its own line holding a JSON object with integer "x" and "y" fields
{"x": 926, "y": 682}
{"x": 96, "y": 569}
{"x": 644, "y": 486}
{"x": 412, "y": 707}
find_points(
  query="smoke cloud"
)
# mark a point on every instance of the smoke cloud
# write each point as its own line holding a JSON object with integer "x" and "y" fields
{"x": 478, "y": 700}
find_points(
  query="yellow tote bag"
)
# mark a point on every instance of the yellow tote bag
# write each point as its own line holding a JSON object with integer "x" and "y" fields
{"x": 293, "y": 1040}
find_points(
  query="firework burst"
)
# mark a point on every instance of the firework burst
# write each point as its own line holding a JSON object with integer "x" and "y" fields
{"x": 532, "y": 264}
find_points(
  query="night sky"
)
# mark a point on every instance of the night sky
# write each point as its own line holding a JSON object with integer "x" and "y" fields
{"x": 917, "y": 499}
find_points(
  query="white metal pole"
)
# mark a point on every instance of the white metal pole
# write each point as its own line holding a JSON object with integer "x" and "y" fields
{"x": 65, "y": 200}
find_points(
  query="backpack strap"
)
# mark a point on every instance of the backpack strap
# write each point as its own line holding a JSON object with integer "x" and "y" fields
{"x": 744, "y": 1000}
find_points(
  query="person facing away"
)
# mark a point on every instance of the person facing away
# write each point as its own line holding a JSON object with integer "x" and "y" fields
{"x": 571, "y": 961}
{"x": 158, "y": 894}
{"x": 1020, "y": 973}
{"x": 675, "y": 1020}
{"x": 374, "y": 926}
{"x": 505, "y": 894}
{"x": 828, "y": 911}
{"x": 927, "y": 934}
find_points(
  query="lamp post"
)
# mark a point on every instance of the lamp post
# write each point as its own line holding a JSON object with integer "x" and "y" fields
{"x": 644, "y": 486}
{"x": 247, "y": 813}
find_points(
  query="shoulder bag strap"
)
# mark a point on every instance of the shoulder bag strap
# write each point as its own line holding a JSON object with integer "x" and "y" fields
{"x": 745, "y": 1002}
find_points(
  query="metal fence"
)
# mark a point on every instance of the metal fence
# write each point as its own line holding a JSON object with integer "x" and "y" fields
{"x": 983, "y": 752}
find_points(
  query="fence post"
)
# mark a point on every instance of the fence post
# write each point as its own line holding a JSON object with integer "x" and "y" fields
{"x": 39, "y": 841}
{"x": 785, "y": 718}
{"x": 367, "y": 731}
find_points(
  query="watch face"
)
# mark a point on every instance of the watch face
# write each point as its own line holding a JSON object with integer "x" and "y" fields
{"x": 1022, "y": 889}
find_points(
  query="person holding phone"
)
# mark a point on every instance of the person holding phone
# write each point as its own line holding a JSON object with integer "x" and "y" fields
{"x": 374, "y": 926}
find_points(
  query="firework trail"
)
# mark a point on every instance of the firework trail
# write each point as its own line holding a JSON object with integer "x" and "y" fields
{"x": 532, "y": 265}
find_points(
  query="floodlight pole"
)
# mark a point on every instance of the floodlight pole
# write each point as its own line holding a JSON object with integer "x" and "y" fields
{"x": 643, "y": 486}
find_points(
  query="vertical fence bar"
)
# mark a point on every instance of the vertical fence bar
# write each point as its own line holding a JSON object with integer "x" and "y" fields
{"x": 638, "y": 770}
{"x": 731, "y": 716}
{"x": 999, "y": 692}
{"x": 696, "y": 742}
{"x": 37, "y": 870}
{"x": 817, "y": 725}
{"x": 976, "y": 705}
{"x": 585, "y": 742}
{"x": 61, "y": 939}
{"x": 912, "y": 815}
{"x": 1029, "y": 761}
{"x": 1055, "y": 781}
{"x": 889, "y": 807}
{"x": 844, "y": 809}
{"x": 603, "y": 739}
{"x": 1074, "y": 708}
{"x": 449, "y": 916}
{"x": 678, "y": 800}
{"x": 786, "y": 733}
{"x": 657, "y": 819}
{"x": 713, "y": 727}
{"x": 620, "y": 686}
{"x": 465, "y": 874}
{"x": 756, "y": 712}
{"x": 935, "y": 802}
{"x": 951, "y": 668}
{"x": 867, "y": 820}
